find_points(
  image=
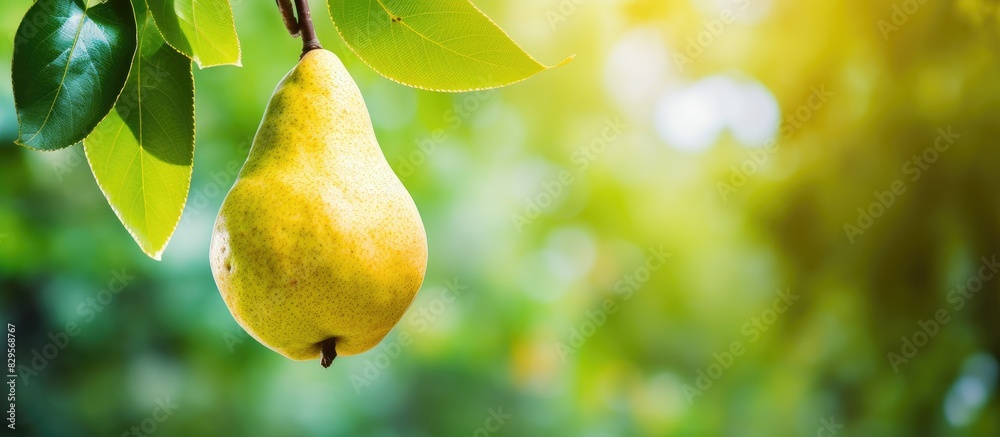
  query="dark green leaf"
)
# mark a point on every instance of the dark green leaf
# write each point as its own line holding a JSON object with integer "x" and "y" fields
{"x": 70, "y": 63}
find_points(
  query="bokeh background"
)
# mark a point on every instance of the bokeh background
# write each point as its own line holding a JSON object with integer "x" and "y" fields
{"x": 510, "y": 334}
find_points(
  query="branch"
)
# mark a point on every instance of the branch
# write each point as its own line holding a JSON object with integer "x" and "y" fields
{"x": 288, "y": 17}
{"x": 309, "y": 40}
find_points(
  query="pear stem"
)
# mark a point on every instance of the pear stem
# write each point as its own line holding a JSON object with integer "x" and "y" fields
{"x": 309, "y": 39}
{"x": 328, "y": 351}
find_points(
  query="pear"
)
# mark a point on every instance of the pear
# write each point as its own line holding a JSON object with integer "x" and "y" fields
{"x": 318, "y": 249}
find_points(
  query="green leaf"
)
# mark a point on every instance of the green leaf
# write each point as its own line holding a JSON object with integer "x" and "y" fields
{"x": 70, "y": 63}
{"x": 142, "y": 153}
{"x": 201, "y": 29}
{"x": 441, "y": 45}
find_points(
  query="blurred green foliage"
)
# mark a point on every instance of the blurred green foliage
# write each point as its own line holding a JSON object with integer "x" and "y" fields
{"x": 495, "y": 325}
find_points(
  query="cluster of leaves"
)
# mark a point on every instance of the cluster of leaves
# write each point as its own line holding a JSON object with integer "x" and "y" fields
{"x": 118, "y": 76}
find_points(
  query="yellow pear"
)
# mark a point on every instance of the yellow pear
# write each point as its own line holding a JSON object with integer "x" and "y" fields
{"x": 318, "y": 249}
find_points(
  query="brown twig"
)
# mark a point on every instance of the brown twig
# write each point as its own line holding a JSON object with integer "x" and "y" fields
{"x": 288, "y": 17}
{"x": 309, "y": 40}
